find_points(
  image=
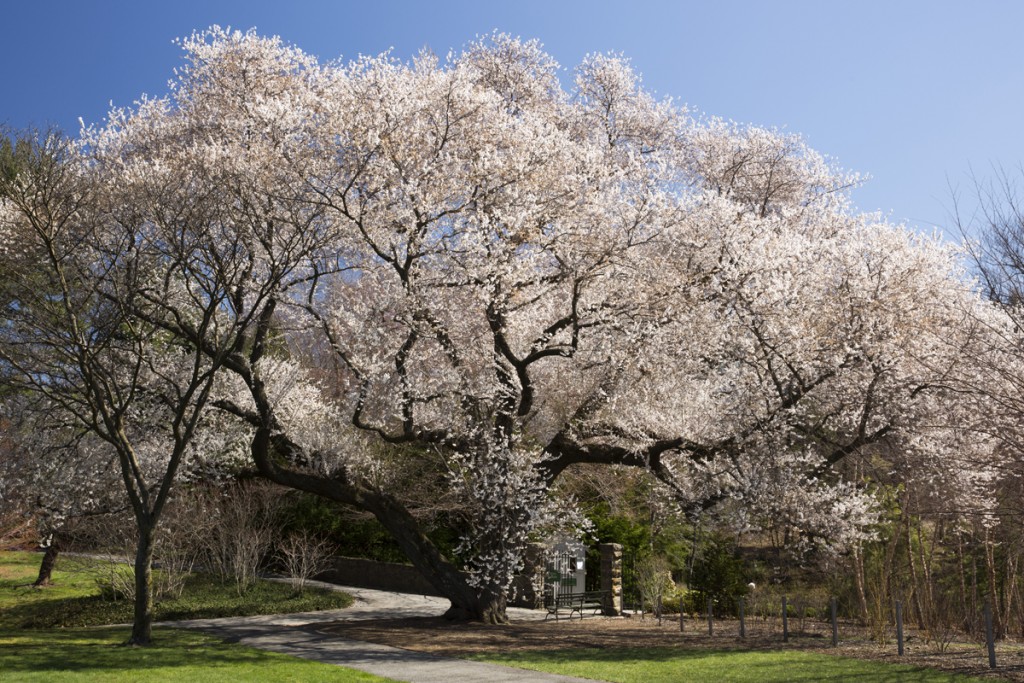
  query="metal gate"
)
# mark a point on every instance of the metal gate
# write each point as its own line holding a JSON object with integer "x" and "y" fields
{"x": 564, "y": 574}
{"x": 631, "y": 597}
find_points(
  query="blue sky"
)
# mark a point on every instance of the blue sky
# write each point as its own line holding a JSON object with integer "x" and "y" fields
{"x": 916, "y": 94}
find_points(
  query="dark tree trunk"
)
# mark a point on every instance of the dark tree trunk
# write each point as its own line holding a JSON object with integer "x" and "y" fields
{"x": 46, "y": 566}
{"x": 467, "y": 603}
{"x": 142, "y": 626}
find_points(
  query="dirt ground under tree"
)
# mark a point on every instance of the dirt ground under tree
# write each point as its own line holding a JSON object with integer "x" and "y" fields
{"x": 457, "y": 639}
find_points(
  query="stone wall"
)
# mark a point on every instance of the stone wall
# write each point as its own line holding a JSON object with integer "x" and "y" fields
{"x": 404, "y": 578}
{"x": 385, "y": 576}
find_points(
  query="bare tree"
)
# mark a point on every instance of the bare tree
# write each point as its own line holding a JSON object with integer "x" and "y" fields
{"x": 993, "y": 233}
{"x": 241, "y": 532}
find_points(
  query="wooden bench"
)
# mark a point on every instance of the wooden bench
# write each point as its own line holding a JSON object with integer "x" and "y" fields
{"x": 573, "y": 603}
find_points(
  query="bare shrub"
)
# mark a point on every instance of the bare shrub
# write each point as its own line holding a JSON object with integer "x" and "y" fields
{"x": 654, "y": 581}
{"x": 942, "y": 620}
{"x": 229, "y": 531}
{"x": 115, "y": 578}
{"x": 109, "y": 544}
{"x": 178, "y": 543}
{"x": 763, "y": 603}
{"x": 304, "y": 555}
{"x": 241, "y": 532}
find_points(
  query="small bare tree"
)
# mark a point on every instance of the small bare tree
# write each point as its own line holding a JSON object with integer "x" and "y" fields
{"x": 993, "y": 233}
{"x": 304, "y": 555}
{"x": 653, "y": 580}
{"x": 241, "y": 533}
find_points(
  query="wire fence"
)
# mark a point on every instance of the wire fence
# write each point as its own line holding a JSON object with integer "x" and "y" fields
{"x": 793, "y": 617}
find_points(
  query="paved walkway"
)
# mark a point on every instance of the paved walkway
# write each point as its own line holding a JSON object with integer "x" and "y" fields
{"x": 299, "y": 635}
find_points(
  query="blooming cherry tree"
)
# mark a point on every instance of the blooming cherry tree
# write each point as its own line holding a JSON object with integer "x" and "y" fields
{"x": 89, "y": 272}
{"x": 502, "y": 278}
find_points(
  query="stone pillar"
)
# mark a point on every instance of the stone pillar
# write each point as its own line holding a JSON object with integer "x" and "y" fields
{"x": 611, "y": 578}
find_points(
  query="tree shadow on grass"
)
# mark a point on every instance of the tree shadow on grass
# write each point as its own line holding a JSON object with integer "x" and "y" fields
{"x": 66, "y": 612}
{"x": 205, "y": 599}
{"x": 99, "y": 650}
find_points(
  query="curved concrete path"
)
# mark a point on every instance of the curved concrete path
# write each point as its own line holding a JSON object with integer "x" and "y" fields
{"x": 299, "y": 635}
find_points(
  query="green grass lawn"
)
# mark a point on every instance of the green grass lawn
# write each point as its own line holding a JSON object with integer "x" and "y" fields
{"x": 74, "y": 598}
{"x": 95, "y": 654}
{"x": 37, "y": 645}
{"x": 673, "y": 665}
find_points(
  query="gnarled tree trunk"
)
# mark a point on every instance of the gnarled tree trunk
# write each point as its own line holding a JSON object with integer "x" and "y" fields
{"x": 467, "y": 602}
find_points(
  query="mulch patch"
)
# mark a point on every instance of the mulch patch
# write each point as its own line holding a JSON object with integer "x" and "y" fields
{"x": 458, "y": 639}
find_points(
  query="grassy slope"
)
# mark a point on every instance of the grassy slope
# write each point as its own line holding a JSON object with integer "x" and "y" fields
{"x": 73, "y": 599}
{"x": 670, "y": 665}
{"x": 96, "y": 654}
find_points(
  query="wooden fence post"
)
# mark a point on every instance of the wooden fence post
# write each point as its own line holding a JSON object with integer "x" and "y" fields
{"x": 833, "y": 608}
{"x": 785, "y": 620}
{"x": 990, "y": 641}
{"x": 743, "y": 625}
{"x": 711, "y": 620}
{"x": 899, "y": 628}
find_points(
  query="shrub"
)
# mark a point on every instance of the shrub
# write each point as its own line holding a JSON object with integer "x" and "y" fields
{"x": 304, "y": 555}
{"x": 238, "y": 542}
